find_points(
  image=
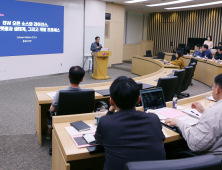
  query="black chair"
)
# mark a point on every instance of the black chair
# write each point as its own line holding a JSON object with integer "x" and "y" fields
{"x": 180, "y": 74}
{"x": 168, "y": 85}
{"x": 182, "y": 46}
{"x": 173, "y": 57}
{"x": 190, "y": 45}
{"x": 148, "y": 53}
{"x": 186, "y": 80}
{"x": 193, "y": 60}
{"x": 161, "y": 55}
{"x": 187, "y": 50}
{"x": 194, "y": 64}
{"x": 180, "y": 49}
{"x": 206, "y": 162}
{"x": 75, "y": 102}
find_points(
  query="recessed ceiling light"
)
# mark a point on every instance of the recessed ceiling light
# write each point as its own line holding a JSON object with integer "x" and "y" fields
{"x": 197, "y": 5}
{"x": 135, "y": 1}
{"x": 169, "y": 3}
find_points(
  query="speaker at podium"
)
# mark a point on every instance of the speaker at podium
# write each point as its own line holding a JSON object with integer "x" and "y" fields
{"x": 100, "y": 65}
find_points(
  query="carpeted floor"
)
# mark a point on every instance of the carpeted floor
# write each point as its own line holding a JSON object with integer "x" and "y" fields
{"x": 19, "y": 148}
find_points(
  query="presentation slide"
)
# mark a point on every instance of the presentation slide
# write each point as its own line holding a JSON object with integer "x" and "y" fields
{"x": 28, "y": 28}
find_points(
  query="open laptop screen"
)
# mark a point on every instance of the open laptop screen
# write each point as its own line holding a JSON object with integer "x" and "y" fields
{"x": 152, "y": 99}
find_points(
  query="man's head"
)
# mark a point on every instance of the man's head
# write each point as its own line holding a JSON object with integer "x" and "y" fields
{"x": 220, "y": 44}
{"x": 197, "y": 47}
{"x": 217, "y": 88}
{"x": 76, "y": 75}
{"x": 97, "y": 39}
{"x": 220, "y": 50}
{"x": 124, "y": 93}
{"x": 204, "y": 47}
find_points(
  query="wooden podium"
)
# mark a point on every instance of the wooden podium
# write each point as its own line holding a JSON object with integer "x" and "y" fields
{"x": 100, "y": 65}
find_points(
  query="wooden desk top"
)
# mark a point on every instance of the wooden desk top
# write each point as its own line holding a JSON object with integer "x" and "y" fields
{"x": 43, "y": 98}
{"x": 70, "y": 150}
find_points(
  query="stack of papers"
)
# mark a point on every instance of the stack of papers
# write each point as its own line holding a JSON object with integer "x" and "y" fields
{"x": 172, "y": 113}
{"x": 72, "y": 131}
{"x": 52, "y": 95}
{"x": 211, "y": 98}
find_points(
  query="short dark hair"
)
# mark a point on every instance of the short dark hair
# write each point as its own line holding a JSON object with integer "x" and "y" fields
{"x": 180, "y": 54}
{"x": 97, "y": 37}
{"x": 76, "y": 74}
{"x": 210, "y": 37}
{"x": 220, "y": 43}
{"x": 198, "y": 45}
{"x": 125, "y": 93}
{"x": 220, "y": 48}
{"x": 205, "y": 46}
{"x": 218, "y": 80}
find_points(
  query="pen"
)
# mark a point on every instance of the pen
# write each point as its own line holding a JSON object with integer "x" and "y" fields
{"x": 194, "y": 113}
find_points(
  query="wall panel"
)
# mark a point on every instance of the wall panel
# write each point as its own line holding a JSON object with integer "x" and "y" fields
{"x": 178, "y": 26}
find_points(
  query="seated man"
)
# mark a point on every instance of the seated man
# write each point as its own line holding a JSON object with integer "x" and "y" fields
{"x": 127, "y": 134}
{"x": 206, "y": 136}
{"x": 218, "y": 55}
{"x": 205, "y": 52}
{"x": 76, "y": 75}
{"x": 197, "y": 51}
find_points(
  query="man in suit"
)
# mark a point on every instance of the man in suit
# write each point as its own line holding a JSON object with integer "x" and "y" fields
{"x": 206, "y": 52}
{"x": 126, "y": 134}
{"x": 95, "y": 47}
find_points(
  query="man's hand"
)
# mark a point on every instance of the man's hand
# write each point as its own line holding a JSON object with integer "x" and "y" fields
{"x": 112, "y": 109}
{"x": 97, "y": 47}
{"x": 198, "y": 107}
{"x": 171, "y": 122}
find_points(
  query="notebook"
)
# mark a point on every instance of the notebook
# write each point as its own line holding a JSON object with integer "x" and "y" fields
{"x": 80, "y": 126}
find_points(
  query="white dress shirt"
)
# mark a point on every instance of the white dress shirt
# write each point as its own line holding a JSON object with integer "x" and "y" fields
{"x": 206, "y": 136}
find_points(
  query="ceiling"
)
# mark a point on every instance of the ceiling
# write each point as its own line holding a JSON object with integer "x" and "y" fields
{"x": 140, "y": 7}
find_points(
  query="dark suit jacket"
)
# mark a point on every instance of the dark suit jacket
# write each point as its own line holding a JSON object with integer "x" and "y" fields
{"x": 130, "y": 135}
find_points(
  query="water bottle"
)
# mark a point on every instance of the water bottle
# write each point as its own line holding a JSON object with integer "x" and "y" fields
{"x": 174, "y": 102}
{"x": 97, "y": 116}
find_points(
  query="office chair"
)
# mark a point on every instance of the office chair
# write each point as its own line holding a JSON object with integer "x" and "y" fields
{"x": 168, "y": 85}
{"x": 190, "y": 45}
{"x": 180, "y": 49}
{"x": 148, "y": 53}
{"x": 187, "y": 50}
{"x": 192, "y": 62}
{"x": 186, "y": 80}
{"x": 180, "y": 74}
{"x": 74, "y": 102}
{"x": 173, "y": 57}
{"x": 205, "y": 162}
{"x": 181, "y": 46}
{"x": 161, "y": 55}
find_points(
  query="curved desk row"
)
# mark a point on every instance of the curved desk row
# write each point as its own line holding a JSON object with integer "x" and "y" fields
{"x": 206, "y": 70}
{"x": 65, "y": 153}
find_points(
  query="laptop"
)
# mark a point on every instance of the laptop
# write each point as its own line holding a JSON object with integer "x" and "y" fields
{"x": 152, "y": 99}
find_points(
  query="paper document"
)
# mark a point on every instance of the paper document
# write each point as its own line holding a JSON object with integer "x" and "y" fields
{"x": 180, "y": 107}
{"x": 161, "y": 117}
{"x": 189, "y": 120}
{"x": 193, "y": 112}
{"x": 72, "y": 131}
{"x": 211, "y": 98}
{"x": 172, "y": 113}
{"x": 52, "y": 95}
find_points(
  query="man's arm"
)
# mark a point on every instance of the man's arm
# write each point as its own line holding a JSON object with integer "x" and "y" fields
{"x": 54, "y": 102}
{"x": 93, "y": 48}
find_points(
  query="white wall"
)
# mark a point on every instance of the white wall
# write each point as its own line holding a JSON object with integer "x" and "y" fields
{"x": 135, "y": 27}
{"x": 94, "y": 23}
{"x": 37, "y": 65}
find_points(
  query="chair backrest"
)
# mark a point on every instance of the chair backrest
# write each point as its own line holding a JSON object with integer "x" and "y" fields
{"x": 168, "y": 85}
{"x": 182, "y": 46}
{"x": 206, "y": 162}
{"x": 148, "y": 53}
{"x": 76, "y": 102}
{"x": 180, "y": 74}
{"x": 180, "y": 49}
{"x": 161, "y": 55}
{"x": 193, "y": 60}
{"x": 187, "y": 78}
{"x": 173, "y": 57}
{"x": 191, "y": 45}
